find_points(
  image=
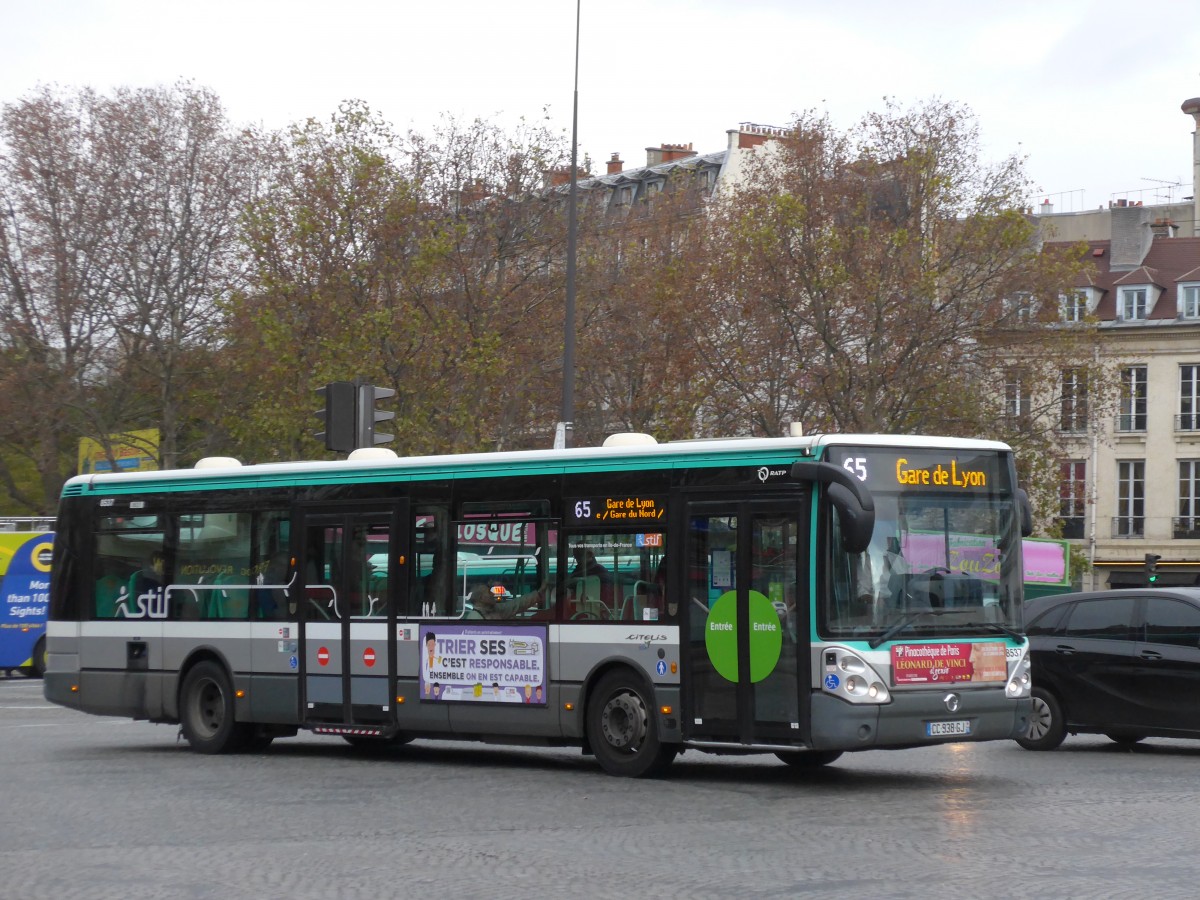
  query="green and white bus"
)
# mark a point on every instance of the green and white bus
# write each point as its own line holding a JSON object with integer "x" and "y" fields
{"x": 636, "y": 600}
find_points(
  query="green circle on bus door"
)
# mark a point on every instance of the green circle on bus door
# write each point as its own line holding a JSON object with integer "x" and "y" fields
{"x": 721, "y": 636}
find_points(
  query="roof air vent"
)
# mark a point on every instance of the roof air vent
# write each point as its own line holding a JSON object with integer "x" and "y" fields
{"x": 629, "y": 439}
{"x": 218, "y": 462}
{"x": 372, "y": 454}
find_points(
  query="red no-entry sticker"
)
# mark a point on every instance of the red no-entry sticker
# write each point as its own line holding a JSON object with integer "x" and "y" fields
{"x": 323, "y": 656}
{"x": 369, "y": 657}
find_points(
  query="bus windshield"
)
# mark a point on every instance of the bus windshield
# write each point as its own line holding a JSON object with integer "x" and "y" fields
{"x": 937, "y": 564}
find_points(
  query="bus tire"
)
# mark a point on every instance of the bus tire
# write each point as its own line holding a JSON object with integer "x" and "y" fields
{"x": 622, "y": 728}
{"x": 809, "y": 759}
{"x": 206, "y": 710}
{"x": 39, "y": 657}
{"x": 37, "y": 661}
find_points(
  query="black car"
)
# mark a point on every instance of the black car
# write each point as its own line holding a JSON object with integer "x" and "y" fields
{"x": 1122, "y": 663}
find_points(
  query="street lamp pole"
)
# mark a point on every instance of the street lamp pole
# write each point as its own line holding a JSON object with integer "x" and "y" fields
{"x": 562, "y": 436}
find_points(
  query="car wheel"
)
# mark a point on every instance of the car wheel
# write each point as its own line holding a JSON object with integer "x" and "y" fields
{"x": 1047, "y": 727}
{"x": 622, "y": 728}
{"x": 809, "y": 759}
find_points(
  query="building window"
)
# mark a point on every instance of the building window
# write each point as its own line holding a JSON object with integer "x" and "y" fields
{"x": 1189, "y": 301}
{"x": 1072, "y": 496}
{"x": 1133, "y": 399}
{"x": 1074, "y": 401}
{"x": 1131, "y": 499}
{"x": 1020, "y": 307}
{"x": 1189, "y": 398}
{"x": 1133, "y": 304}
{"x": 1187, "y": 525}
{"x": 1017, "y": 402}
{"x": 1073, "y": 307}
{"x": 623, "y": 196}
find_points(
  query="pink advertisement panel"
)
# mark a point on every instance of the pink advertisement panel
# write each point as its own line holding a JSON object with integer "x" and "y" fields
{"x": 948, "y": 663}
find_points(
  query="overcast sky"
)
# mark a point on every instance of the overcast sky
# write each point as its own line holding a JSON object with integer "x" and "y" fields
{"x": 1090, "y": 92}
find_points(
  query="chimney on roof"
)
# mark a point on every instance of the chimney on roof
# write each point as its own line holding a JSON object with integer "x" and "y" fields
{"x": 668, "y": 153}
{"x": 1163, "y": 228}
{"x": 615, "y": 165}
{"x": 1192, "y": 108}
{"x": 1132, "y": 236}
{"x": 552, "y": 178}
{"x": 1046, "y": 207}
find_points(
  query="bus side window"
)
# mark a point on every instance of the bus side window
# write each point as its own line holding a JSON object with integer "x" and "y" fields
{"x": 110, "y": 588}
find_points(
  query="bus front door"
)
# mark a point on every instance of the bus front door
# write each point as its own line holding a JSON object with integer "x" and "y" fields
{"x": 352, "y": 565}
{"x": 745, "y": 659}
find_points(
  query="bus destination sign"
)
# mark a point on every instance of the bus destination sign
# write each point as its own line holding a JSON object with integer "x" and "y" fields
{"x": 622, "y": 509}
{"x": 889, "y": 470}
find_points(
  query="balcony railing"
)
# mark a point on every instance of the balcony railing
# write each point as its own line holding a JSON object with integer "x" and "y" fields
{"x": 1128, "y": 526}
{"x": 1130, "y": 423}
{"x": 1187, "y": 422}
{"x": 1185, "y": 528}
{"x": 1072, "y": 527}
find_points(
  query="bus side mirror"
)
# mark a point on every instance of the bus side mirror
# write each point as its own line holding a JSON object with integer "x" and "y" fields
{"x": 855, "y": 506}
{"x": 1026, "y": 512}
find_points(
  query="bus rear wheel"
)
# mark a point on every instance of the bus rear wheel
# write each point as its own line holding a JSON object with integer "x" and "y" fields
{"x": 623, "y": 729}
{"x": 206, "y": 711}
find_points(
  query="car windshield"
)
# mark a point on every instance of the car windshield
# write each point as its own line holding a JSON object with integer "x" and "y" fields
{"x": 937, "y": 564}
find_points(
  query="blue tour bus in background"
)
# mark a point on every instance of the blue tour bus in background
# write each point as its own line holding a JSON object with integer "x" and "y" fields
{"x": 25, "y": 550}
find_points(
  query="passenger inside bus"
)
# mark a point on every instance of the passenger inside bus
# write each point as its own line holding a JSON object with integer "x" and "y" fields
{"x": 109, "y": 587}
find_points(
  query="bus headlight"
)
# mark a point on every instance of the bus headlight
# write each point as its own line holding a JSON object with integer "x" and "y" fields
{"x": 1020, "y": 682}
{"x": 850, "y": 677}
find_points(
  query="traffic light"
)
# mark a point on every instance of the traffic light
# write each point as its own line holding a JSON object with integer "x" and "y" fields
{"x": 338, "y": 416}
{"x": 369, "y": 417}
{"x": 1152, "y": 568}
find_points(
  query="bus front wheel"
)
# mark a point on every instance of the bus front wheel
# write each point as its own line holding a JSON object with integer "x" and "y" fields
{"x": 622, "y": 728}
{"x": 206, "y": 710}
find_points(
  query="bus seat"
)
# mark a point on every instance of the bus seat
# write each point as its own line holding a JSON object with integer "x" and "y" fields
{"x": 108, "y": 589}
{"x": 226, "y": 602}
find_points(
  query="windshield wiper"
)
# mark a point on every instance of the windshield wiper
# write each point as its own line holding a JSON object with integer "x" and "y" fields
{"x": 998, "y": 628}
{"x": 904, "y": 623}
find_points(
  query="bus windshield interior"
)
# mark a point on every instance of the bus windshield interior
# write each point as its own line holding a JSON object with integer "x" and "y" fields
{"x": 936, "y": 563}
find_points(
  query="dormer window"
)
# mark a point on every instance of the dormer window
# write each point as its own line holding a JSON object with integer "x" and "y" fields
{"x": 1132, "y": 306}
{"x": 1020, "y": 307}
{"x": 623, "y": 196}
{"x": 1189, "y": 301}
{"x": 1073, "y": 307}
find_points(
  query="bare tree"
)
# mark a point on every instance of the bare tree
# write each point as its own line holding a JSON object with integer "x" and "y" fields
{"x": 57, "y": 213}
{"x": 419, "y": 264}
{"x": 182, "y": 177}
{"x": 870, "y": 280}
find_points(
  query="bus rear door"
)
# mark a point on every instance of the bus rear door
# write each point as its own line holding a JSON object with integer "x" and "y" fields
{"x": 745, "y": 628}
{"x": 352, "y": 564}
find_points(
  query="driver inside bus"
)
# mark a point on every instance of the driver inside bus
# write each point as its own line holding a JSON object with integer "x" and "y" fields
{"x": 492, "y": 606}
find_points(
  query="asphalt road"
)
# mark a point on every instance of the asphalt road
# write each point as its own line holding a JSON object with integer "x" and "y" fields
{"x": 104, "y": 808}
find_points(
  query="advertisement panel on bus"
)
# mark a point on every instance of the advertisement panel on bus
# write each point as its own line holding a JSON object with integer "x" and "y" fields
{"x": 24, "y": 598}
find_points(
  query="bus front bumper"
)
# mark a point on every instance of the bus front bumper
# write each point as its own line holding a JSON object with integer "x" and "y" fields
{"x": 916, "y": 718}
